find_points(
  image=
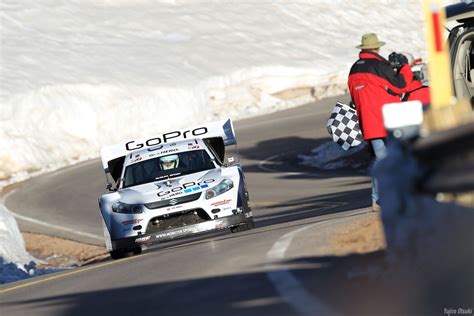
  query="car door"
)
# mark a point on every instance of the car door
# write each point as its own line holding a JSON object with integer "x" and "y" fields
{"x": 461, "y": 43}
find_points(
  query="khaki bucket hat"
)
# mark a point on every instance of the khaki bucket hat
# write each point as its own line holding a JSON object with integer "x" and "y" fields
{"x": 370, "y": 41}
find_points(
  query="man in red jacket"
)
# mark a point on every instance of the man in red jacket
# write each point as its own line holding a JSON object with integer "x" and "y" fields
{"x": 373, "y": 83}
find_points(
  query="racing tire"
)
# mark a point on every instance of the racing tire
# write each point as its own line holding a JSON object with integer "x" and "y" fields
{"x": 249, "y": 224}
{"x": 124, "y": 253}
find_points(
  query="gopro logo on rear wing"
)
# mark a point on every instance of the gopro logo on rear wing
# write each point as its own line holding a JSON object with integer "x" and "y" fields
{"x": 223, "y": 129}
{"x": 167, "y": 137}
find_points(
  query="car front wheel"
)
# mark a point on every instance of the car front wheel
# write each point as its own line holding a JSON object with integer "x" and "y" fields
{"x": 124, "y": 253}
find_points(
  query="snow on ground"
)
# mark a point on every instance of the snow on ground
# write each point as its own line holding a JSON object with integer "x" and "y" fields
{"x": 15, "y": 262}
{"x": 77, "y": 75}
{"x": 12, "y": 245}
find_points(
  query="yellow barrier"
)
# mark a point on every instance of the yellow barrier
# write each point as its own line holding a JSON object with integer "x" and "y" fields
{"x": 440, "y": 67}
{"x": 445, "y": 111}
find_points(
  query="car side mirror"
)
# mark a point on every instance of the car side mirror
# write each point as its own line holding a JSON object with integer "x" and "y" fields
{"x": 109, "y": 187}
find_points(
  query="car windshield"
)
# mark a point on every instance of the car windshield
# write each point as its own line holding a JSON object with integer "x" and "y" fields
{"x": 168, "y": 166}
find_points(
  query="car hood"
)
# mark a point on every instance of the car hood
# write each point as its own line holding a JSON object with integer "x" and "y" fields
{"x": 167, "y": 189}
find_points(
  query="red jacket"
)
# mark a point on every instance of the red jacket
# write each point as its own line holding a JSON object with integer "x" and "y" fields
{"x": 421, "y": 94}
{"x": 373, "y": 83}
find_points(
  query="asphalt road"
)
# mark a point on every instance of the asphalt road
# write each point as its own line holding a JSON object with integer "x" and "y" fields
{"x": 66, "y": 200}
{"x": 250, "y": 273}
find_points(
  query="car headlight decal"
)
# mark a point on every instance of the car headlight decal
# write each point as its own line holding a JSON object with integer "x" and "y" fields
{"x": 120, "y": 207}
{"x": 224, "y": 186}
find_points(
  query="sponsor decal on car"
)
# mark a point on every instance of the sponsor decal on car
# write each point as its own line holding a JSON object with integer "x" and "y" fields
{"x": 216, "y": 224}
{"x": 171, "y": 195}
{"x": 194, "y": 145}
{"x": 174, "y": 207}
{"x": 219, "y": 203}
{"x": 187, "y": 188}
{"x": 132, "y": 221}
{"x": 196, "y": 188}
{"x": 175, "y": 232}
{"x": 142, "y": 239}
{"x": 136, "y": 160}
{"x": 165, "y": 138}
{"x": 163, "y": 152}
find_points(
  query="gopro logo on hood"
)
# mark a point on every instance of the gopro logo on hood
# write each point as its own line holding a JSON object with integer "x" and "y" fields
{"x": 188, "y": 187}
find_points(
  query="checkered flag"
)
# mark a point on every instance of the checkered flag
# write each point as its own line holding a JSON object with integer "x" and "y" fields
{"x": 343, "y": 125}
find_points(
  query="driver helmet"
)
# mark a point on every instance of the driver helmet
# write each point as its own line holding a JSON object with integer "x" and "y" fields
{"x": 169, "y": 162}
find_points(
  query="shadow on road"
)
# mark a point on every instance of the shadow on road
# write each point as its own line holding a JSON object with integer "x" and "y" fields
{"x": 283, "y": 215}
{"x": 281, "y": 155}
{"x": 317, "y": 208}
{"x": 356, "y": 284}
{"x": 313, "y": 207}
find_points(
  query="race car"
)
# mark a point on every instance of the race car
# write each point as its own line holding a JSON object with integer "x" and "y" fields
{"x": 178, "y": 184}
{"x": 460, "y": 19}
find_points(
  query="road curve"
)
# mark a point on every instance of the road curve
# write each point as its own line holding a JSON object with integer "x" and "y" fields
{"x": 66, "y": 200}
{"x": 219, "y": 274}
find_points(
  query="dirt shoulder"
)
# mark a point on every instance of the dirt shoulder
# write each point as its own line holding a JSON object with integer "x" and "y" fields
{"x": 62, "y": 253}
{"x": 362, "y": 235}
{"x": 55, "y": 252}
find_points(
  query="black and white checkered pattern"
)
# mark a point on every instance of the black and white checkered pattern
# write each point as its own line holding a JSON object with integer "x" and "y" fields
{"x": 343, "y": 125}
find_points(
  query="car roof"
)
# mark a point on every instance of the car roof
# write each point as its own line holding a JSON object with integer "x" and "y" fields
{"x": 461, "y": 12}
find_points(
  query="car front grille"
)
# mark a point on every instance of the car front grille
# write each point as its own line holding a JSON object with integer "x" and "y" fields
{"x": 177, "y": 220}
{"x": 174, "y": 201}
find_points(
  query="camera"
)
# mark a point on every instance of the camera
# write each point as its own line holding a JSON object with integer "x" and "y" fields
{"x": 397, "y": 60}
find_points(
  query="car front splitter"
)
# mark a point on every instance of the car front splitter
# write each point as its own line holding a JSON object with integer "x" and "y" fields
{"x": 170, "y": 234}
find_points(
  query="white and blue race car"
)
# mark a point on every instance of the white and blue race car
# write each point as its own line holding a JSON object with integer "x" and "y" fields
{"x": 178, "y": 184}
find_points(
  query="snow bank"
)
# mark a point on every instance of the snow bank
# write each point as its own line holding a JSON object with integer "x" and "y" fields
{"x": 12, "y": 246}
{"x": 77, "y": 75}
{"x": 15, "y": 262}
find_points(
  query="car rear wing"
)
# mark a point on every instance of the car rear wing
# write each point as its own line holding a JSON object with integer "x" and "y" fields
{"x": 112, "y": 155}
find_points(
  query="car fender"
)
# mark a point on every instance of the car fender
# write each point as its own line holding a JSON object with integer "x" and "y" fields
{"x": 105, "y": 206}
